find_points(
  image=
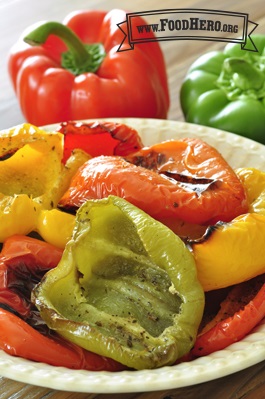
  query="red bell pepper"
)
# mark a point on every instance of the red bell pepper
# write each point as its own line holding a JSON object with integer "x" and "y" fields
{"x": 23, "y": 262}
{"x": 241, "y": 310}
{"x": 74, "y": 71}
{"x": 17, "y": 338}
{"x": 99, "y": 138}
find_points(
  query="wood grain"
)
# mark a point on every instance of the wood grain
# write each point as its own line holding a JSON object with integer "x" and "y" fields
{"x": 15, "y": 16}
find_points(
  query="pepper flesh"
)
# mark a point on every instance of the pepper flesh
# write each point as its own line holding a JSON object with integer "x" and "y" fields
{"x": 126, "y": 287}
{"x": 126, "y": 84}
{"x": 226, "y": 90}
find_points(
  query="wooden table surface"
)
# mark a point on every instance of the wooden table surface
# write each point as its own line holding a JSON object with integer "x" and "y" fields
{"x": 15, "y": 16}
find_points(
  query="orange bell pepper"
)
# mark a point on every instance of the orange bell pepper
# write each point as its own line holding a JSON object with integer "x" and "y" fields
{"x": 185, "y": 180}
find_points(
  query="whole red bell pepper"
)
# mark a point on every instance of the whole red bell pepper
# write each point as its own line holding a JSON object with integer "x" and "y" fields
{"x": 73, "y": 71}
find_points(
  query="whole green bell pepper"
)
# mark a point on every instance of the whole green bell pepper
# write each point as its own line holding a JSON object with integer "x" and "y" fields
{"x": 126, "y": 287}
{"x": 226, "y": 90}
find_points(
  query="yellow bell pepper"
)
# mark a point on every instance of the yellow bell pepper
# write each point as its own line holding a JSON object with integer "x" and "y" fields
{"x": 55, "y": 227}
{"x": 77, "y": 158}
{"x": 230, "y": 253}
{"x": 18, "y": 215}
{"x": 33, "y": 165}
{"x": 254, "y": 183}
{"x": 15, "y": 138}
{"x": 32, "y": 178}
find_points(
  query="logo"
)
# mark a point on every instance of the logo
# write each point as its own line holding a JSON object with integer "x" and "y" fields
{"x": 188, "y": 24}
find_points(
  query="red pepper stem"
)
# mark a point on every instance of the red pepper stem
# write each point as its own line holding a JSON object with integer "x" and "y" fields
{"x": 40, "y": 35}
{"x": 79, "y": 58}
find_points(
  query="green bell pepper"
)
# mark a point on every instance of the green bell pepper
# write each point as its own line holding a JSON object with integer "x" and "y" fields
{"x": 126, "y": 287}
{"x": 226, "y": 90}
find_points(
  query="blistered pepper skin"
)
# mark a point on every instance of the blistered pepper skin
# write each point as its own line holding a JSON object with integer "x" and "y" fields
{"x": 126, "y": 287}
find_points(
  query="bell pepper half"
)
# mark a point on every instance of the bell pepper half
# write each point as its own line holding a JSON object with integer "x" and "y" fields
{"x": 230, "y": 253}
{"x": 72, "y": 71}
{"x": 226, "y": 90}
{"x": 184, "y": 179}
{"x": 126, "y": 287}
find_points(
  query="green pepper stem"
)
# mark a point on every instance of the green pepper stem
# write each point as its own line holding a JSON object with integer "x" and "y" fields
{"x": 80, "y": 57}
{"x": 245, "y": 75}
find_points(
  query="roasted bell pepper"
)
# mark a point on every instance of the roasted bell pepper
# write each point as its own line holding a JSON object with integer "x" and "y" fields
{"x": 74, "y": 72}
{"x": 25, "y": 188}
{"x": 230, "y": 253}
{"x": 18, "y": 215}
{"x": 32, "y": 176}
{"x": 184, "y": 179}
{"x": 254, "y": 183}
{"x": 226, "y": 90}
{"x": 23, "y": 262}
{"x": 241, "y": 310}
{"x": 22, "y": 148}
{"x": 99, "y": 138}
{"x": 126, "y": 287}
{"x": 54, "y": 226}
